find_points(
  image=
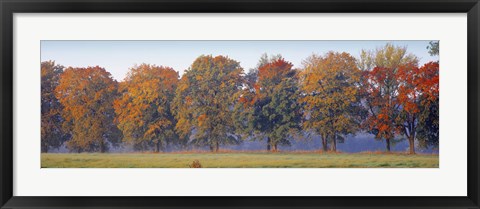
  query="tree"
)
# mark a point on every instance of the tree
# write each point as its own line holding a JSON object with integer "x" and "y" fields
{"x": 433, "y": 48}
{"x": 330, "y": 85}
{"x": 87, "y": 95}
{"x": 428, "y": 125}
{"x": 204, "y": 101}
{"x": 388, "y": 56}
{"x": 418, "y": 92}
{"x": 252, "y": 76}
{"x": 143, "y": 111}
{"x": 269, "y": 105}
{"x": 380, "y": 100}
{"x": 52, "y": 134}
{"x": 380, "y": 88}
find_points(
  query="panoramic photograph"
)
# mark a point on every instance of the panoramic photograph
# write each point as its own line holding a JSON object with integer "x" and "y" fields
{"x": 240, "y": 104}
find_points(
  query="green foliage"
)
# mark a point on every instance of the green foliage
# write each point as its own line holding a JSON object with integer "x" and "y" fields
{"x": 52, "y": 134}
{"x": 428, "y": 130}
{"x": 434, "y": 48}
{"x": 268, "y": 107}
{"x": 204, "y": 99}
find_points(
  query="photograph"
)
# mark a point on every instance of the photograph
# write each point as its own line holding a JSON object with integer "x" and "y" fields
{"x": 240, "y": 103}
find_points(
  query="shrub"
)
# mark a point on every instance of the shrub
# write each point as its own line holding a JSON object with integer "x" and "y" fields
{"x": 195, "y": 164}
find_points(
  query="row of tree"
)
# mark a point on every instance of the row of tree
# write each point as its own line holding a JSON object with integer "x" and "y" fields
{"x": 384, "y": 92}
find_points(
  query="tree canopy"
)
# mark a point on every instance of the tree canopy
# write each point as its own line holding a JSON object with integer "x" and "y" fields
{"x": 87, "y": 95}
{"x": 380, "y": 87}
{"x": 418, "y": 95}
{"x": 331, "y": 96}
{"x": 269, "y": 105}
{"x": 204, "y": 101}
{"x": 52, "y": 133}
{"x": 384, "y": 92}
{"x": 143, "y": 109}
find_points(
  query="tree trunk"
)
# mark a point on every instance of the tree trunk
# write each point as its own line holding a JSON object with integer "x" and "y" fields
{"x": 411, "y": 141}
{"x": 268, "y": 144}
{"x": 273, "y": 146}
{"x": 157, "y": 149}
{"x": 387, "y": 140}
{"x": 143, "y": 146}
{"x": 217, "y": 146}
{"x": 324, "y": 143}
{"x": 334, "y": 144}
{"x": 211, "y": 148}
{"x": 102, "y": 147}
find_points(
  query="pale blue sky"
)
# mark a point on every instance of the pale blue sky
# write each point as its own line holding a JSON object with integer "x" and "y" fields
{"x": 118, "y": 56}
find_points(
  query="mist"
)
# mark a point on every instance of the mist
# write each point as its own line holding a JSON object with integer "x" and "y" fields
{"x": 353, "y": 144}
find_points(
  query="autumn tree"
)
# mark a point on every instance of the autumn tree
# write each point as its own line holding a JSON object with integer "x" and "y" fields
{"x": 428, "y": 129}
{"x": 52, "y": 134}
{"x": 204, "y": 101}
{"x": 87, "y": 95}
{"x": 252, "y": 76}
{"x": 143, "y": 110}
{"x": 330, "y": 85}
{"x": 380, "y": 87}
{"x": 418, "y": 92}
{"x": 268, "y": 106}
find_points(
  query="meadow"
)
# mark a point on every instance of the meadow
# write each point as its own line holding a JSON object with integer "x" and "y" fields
{"x": 240, "y": 160}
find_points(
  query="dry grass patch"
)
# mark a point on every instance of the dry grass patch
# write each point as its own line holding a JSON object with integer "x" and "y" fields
{"x": 240, "y": 160}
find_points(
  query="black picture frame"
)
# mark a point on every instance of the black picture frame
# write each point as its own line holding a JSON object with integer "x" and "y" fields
{"x": 9, "y": 7}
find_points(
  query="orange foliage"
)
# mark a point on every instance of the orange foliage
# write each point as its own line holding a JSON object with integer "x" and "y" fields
{"x": 395, "y": 97}
{"x": 379, "y": 87}
{"x": 87, "y": 95}
{"x": 143, "y": 110}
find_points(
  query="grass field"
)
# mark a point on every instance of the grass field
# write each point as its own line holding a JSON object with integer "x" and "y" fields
{"x": 239, "y": 160}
